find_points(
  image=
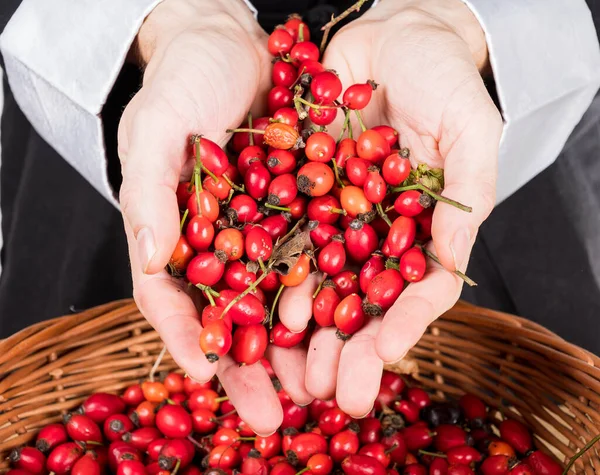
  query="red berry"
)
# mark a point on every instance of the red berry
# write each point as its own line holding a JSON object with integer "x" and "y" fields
{"x": 286, "y": 115}
{"x": 303, "y": 51}
{"x": 249, "y": 310}
{"x": 383, "y": 291}
{"x": 174, "y": 421}
{"x": 243, "y": 209}
{"x": 257, "y": 180}
{"x": 231, "y": 242}
{"x": 357, "y": 170}
{"x": 183, "y": 192}
{"x": 323, "y": 209}
{"x": 259, "y": 244}
{"x": 332, "y": 257}
{"x": 396, "y": 447}
{"x": 211, "y": 314}
{"x": 280, "y": 42}
{"x": 206, "y": 268}
{"x": 333, "y": 420}
{"x": 315, "y": 179}
{"x": 324, "y": 306}
{"x": 304, "y": 446}
{"x": 409, "y": 410}
{"x": 298, "y": 273}
{"x": 374, "y": 187}
{"x": 395, "y": 169}
{"x": 282, "y": 190}
{"x": 349, "y": 316}
{"x": 279, "y": 96}
{"x": 417, "y": 437}
{"x": 29, "y": 459}
{"x": 374, "y": 266}
{"x": 241, "y": 140}
{"x": 412, "y": 265}
{"x": 281, "y": 162}
{"x": 249, "y": 343}
{"x": 358, "y": 96}
{"x": 389, "y": 133}
{"x": 209, "y": 206}
{"x": 297, "y": 28}
{"x": 543, "y": 464}
{"x": 463, "y": 455}
{"x": 346, "y": 149}
{"x": 322, "y": 116}
{"x": 294, "y": 416}
{"x": 176, "y": 452}
{"x": 320, "y": 147}
{"x": 82, "y": 428}
{"x": 320, "y": 464}
{"x": 346, "y": 283}
{"x": 131, "y": 467}
{"x": 343, "y": 444}
{"x": 268, "y": 446}
{"x": 117, "y": 425}
{"x": 284, "y": 338}
{"x": 63, "y": 457}
{"x": 321, "y": 234}
{"x": 377, "y": 451}
{"x": 310, "y": 67}
{"x": 51, "y": 436}
{"x": 361, "y": 241}
{"x": 438, "y": 466}
{"x": 250, "y": 154}
{"x": 401, "y": 236}
{"x": 200, "y": 233}
{"x": 326, "y": 87}
{"x": 101, "y": 405}
{"x": 215, "y": 341}
{"x": 237, "y": 277}
{"x": 449, "y": 436}
{"x": 203, "y": 398}
{"x": 372, "y": 146}
{"x": 354, "y": 201}
{"x": 517, "y": 435}
{"x": 408, "y": 203}
{"x": 141, "y": 438}
{"x": 298, "y": 207}
{"x": 212, "y": 156}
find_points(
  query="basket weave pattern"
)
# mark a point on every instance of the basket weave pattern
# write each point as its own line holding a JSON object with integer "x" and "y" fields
{"x": 516, "y": 366}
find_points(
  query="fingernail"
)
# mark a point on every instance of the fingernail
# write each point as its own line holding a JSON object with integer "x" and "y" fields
{"x": 461, "y": 242}
{"x": 146, "y": 247}
{"x": 397, "y": 360}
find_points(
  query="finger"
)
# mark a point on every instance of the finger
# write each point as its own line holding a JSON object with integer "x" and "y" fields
{"x": 295, "y": 305}
{"x": 151, "y": 174}
{"x": 416, "y": 308}
{"x": 164, "y": 303}
{"x": 322, "y": 362}
{"x": 360, "y": 372}
{"x": 289, "y": 365}
{"x": 470, "y": 169}
{"x": 252, "y": 394}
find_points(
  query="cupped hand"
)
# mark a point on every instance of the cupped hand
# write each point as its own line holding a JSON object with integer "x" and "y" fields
{"x": 205, "y": 63}
{"x": 427, "y": 57}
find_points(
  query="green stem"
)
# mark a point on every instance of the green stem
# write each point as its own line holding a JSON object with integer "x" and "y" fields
{"x": 223, "y": 416}
{"x": 251, "y": 136}
{"x": 262, "y": 265}
{"x": 337, "y": 174}
{"x": 587, "y": 447}
{"x": 245, "y": 129}
{"x": 250, "y": 288}
{"x": 350, "y": 130}
{"x": 320, "y": 286}
{"x": 345, "y": 126}
{"x": 274, "y": 306}
{"x": 176, "y": 469}
{"x": 470, "y": 282}
{"x": 210, "y": 174}
{"x": 383, "y": 215}
{"x": 233, "y": 185}
{"x": 183, "y": 218}
{"x": 432, "y": 454}
{"x": 278, "y": 208}
{"x": 360, "y": 120}
{"x": 210, "y": 299}
{"x": 433, "y": 194}
{"x": 311, "y": 104}
{"x": 222, "y": 399}
{"x": 338, "y": 211}
{"x": 391, "y": 449}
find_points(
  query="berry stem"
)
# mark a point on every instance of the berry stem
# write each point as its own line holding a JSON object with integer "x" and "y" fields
{"x": 278, "y": 208}
{"x": 305, "y": 469}
{"x": 434, "y": 195}
{"x": 337, "y": 174}
{"x": 338, "y": 211}
{"x": 245, "y": 129}
{"x": 233, "y": 185}
{"x": 222, "y": 399}
{"x": 335, "y": 20}
{"x": 195, "y": 442}
{"x": 345, "y": 126}
{"x": 176, "y": 469}
{"x": 360, "y": 120}
{"x": 262, "y": 265}
{"x": 292, "y": 231}
{"x": 210, "y": 174}
{"x": 391, "y": 449}
{"x": 470, "y": 282}
{"x": 432, "y": 454}
{"x": 274, "y": 306}
{"x": 157, "y": 363}
{"x": 573, "y": 459}
{"x": 183, "y": 218}
{"x": 250, "y": 288}
{"x": 250, "y": 136}
{"x": 211, "y": 300}
{"x": 383, "y": 214}
{"x": 227, "y": 414}
{"x": 320, "y": 286}
{"x": 312, "y": 105}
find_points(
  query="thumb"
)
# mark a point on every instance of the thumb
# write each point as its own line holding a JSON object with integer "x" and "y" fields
{"x": 470, "y": 169}
{"x": 151, "y": 172}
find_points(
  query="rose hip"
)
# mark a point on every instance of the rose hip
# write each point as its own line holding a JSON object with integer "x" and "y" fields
{"x": 63, "y": 457}
{"x": 383, "y": 290}
{"x": 408, "y": 203}
{"x": 517, "y": 435}
{"x": 320, "y": 147}
{"x": 305, "y": 446}
{"x": 280, "y": 162}
{"x": 361, "y": 241}
{"x": 51, "y": 436}
{"x": 343, "y": 444}
{"x": 401, "y": 236}
{"x": 413, "y": 265}
{"x": 249, "y": 343}
{"x": 346, "y": 283}
{"x": 315, "y": 179}
{"x": 372, "y": 146}
{"x": 282, "y": 190}
{"x": 388, "y": 133}
{"x": 206, "y": 268}
{"x": 324, "y": 306}
{"x": 101, "y": 405}
{"x": 332, "y": 257}
{"x": 349, "y": 316}
{"x": 354, "y": 201}
{"x": 362, "y": 465}
{"x": 395, "y": 169}
{"x": 326, "y": 87}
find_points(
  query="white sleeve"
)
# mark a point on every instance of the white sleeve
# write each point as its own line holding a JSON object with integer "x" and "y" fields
{"x": 62, "y": 59}
{"x": 546, "y": 63}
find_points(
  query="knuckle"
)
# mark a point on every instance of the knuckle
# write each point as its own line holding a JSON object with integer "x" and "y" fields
{"x": 486, "y": 199}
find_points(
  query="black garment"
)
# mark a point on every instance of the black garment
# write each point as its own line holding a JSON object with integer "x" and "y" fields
{"x": 64, "y": 247}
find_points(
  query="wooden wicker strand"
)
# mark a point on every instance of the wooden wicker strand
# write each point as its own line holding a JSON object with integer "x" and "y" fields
{"x": 519, "y": 368}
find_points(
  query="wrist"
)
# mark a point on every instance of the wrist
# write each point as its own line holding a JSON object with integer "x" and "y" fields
{"x": 171, "y": 17}
{"x": 454, "y": 15}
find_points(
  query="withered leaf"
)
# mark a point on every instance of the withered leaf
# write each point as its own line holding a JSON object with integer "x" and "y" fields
{"x": 286, "y": 254}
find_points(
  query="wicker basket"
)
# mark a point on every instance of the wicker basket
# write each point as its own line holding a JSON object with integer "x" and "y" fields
{"x": 516, "y": 366}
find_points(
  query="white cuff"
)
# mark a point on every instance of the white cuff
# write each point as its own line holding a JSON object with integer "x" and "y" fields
{"x": 62, "y": 59}
{"x": 546, "y": 63}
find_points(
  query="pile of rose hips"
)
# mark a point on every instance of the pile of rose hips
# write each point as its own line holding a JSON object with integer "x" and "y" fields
{"x": 178, "y": 426}
{"x": 247, "y": 218}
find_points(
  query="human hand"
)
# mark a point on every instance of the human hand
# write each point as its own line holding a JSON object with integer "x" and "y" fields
{"x": 205, "y": 62}
{"x": 427, "y": 56}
